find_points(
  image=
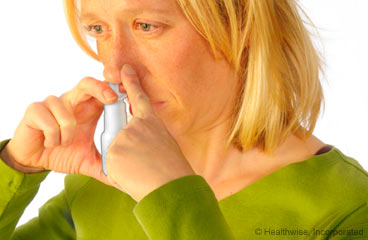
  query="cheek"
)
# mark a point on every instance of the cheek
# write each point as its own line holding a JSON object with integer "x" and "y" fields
{"x": 104, "y": 52}
{"x": 186, "y": 68}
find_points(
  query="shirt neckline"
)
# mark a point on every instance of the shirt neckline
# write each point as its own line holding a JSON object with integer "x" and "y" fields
{"x": 292, "y": 165}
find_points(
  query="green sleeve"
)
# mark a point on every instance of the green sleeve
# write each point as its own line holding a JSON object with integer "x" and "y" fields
{"x": 17, "y": 190}
{"x": 351, "y": 226}
{"x": 185, "y": 208}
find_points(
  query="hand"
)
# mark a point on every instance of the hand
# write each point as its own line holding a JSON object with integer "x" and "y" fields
{"x": 58, "y": 133}
{"x": 143, "y": 156}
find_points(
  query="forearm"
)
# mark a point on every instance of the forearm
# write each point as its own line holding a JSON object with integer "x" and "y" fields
{"x": 16, "y": 191}
{"x": 185, "y": 208}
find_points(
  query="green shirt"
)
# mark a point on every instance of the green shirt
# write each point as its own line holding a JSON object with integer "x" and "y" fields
{"x": 324, "y": 196}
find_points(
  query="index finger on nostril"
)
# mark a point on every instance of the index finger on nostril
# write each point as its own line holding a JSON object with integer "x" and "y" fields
{"x": 121, "y": 88}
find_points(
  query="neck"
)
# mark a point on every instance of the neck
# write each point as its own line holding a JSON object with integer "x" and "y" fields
{"x": 207, "y": 157}
{"x": 205, "y": 152}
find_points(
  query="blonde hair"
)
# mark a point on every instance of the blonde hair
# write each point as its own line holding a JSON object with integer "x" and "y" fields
{"x": 273, "y": 55}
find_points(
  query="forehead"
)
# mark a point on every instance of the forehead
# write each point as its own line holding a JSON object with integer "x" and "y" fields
{"x": 93, "y": 6}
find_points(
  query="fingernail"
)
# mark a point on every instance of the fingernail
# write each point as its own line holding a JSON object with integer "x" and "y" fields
{"x": 109, "y": 94}
{"x": 128, "y": 69}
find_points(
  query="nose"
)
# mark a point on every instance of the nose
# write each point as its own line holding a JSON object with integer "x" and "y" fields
{"x": 117, "y": 51}
{"x": 111, "y": 74}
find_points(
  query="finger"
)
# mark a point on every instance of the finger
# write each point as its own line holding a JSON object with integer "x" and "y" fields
{"x": 112, "y": 181}
{"x": 89, "y": 87}
{"x": 115, "y": 184}
{"x": 121, "y": 88}
{"x": 38, "y": 116}
{"x": 141, "y": 105}
{"x": 65, "y": 119}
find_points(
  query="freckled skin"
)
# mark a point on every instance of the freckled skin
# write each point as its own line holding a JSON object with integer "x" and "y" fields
{"x": 175, "y": 65}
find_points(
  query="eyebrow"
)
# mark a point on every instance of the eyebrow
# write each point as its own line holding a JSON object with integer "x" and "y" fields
{"x": 128, "y": 11}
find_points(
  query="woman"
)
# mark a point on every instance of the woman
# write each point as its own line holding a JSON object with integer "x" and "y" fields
{"x": 224, "y": 96}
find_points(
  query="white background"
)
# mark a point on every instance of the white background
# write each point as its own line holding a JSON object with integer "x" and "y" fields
{"x": 39, "y": 57}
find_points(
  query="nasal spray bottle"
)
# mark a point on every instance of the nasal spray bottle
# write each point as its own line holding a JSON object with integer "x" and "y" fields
{"x": 115, "y": 119}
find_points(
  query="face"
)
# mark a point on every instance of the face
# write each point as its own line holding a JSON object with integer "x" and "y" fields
{"x": 174, "y": 62}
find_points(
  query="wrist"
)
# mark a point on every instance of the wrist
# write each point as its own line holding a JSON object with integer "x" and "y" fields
{"x": 11, "y": 162}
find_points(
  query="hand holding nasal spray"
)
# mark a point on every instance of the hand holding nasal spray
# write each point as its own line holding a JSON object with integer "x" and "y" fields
{"x": 115, "y": 119}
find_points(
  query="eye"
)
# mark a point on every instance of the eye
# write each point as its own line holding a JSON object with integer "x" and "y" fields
{"x": 146, "y": 27}
{"x": 93, "y": 29}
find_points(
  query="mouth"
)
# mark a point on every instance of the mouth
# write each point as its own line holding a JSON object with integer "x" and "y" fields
{"x": 154, "y": 104}
{"x": 159, "y": 105}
